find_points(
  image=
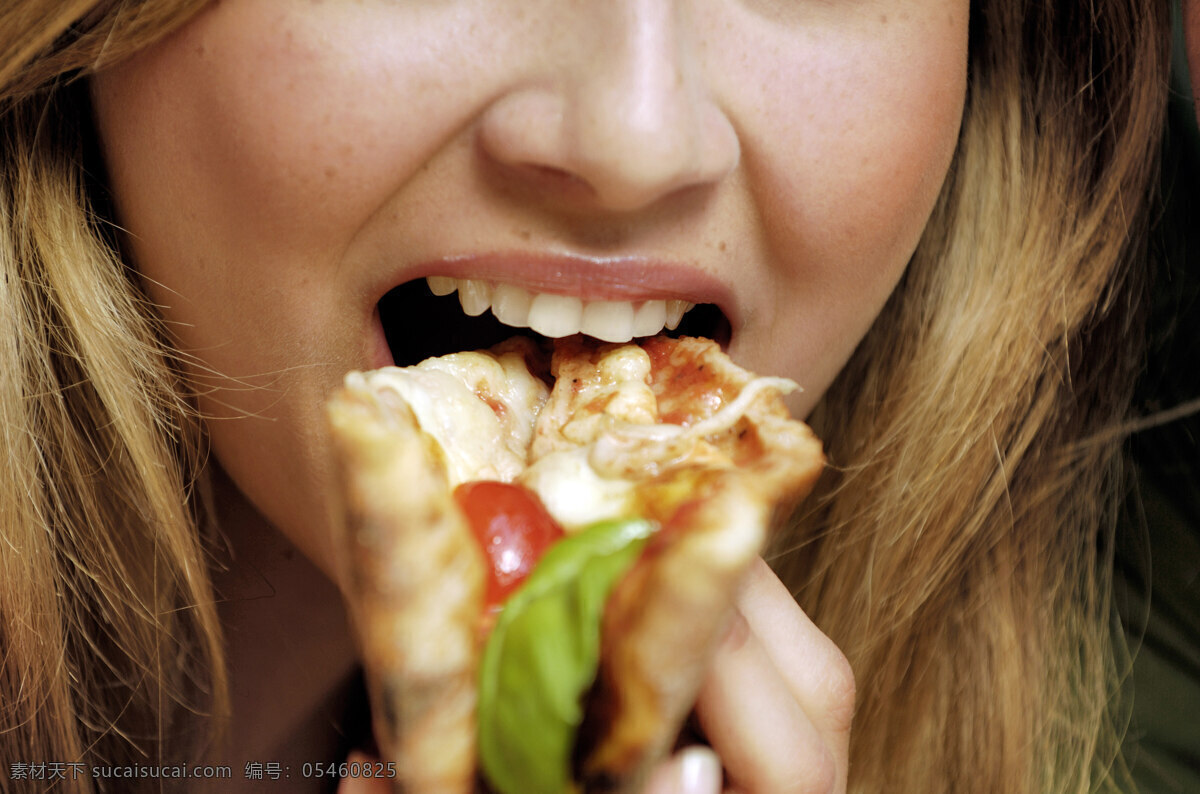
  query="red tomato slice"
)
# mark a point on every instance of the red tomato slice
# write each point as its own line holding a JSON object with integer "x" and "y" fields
{"x": 512, "y": 527}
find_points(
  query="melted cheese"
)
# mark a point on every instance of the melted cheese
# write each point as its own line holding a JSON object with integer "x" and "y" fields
{"x": 574, "y": 493}
{"x": 585, "y": 455}
{"x": 478, "y": 407}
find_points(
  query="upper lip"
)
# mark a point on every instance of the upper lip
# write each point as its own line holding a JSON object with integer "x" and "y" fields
{"x": 615, "y": 278}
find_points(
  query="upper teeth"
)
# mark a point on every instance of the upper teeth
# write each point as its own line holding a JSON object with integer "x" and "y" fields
{"x": 562, "y": 315}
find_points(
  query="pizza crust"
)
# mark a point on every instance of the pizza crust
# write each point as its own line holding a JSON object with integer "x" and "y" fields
{"x": 414, "y": 578}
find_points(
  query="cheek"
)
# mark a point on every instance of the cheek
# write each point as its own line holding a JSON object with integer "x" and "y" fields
{"x": 287, "y": 127}
{"x": 849, "y": 158}
{"x": 855, "y": 163}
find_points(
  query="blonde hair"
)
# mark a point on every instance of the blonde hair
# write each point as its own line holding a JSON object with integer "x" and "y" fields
{"x": 108, "y": 627}
{"x": 957, "y": 554}
{"x": 959, "y": 551}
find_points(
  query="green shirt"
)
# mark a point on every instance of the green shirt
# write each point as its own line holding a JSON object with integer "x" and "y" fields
{"x": 1158, "y": 548}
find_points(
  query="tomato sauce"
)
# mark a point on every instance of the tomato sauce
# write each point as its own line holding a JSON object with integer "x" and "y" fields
{"x": 687, "y": 390}
{"x": 513, "y": 529}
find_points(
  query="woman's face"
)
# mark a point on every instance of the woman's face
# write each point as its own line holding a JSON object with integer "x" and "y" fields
{"x": 280, "y": 165}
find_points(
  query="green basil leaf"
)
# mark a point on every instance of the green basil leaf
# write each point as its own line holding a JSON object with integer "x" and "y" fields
{"x": 542, "y": 655}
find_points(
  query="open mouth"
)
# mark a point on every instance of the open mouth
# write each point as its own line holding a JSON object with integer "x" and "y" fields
{"x": 419, "y": 324}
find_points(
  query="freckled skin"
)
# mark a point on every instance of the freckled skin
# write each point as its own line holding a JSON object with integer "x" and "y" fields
{"x": 278, "y": 165}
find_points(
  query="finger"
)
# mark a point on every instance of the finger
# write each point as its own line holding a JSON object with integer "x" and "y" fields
{"x": 756, "y": 724}
{"x": 693, "y": 770}
{"x": 362, "y": 785}
{"x": 814, "y": 667}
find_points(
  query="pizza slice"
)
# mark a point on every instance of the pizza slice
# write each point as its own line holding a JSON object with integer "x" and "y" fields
{"x": 544, "y": 547}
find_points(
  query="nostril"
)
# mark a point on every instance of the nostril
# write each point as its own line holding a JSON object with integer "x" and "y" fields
{"x": 524, "y": 130}
{"x": 555, "y": 177}
{"x": 550, "y": 172}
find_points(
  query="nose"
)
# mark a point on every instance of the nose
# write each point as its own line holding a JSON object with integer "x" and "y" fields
{"x": 625, "y": 113}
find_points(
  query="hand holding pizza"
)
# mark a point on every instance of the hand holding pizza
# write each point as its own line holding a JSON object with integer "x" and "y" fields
{"x": 777, "y": 702}
{"x": 776, "y": 706}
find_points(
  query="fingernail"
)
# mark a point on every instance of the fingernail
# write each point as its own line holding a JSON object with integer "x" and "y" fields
{"x": 699, "y": 771}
